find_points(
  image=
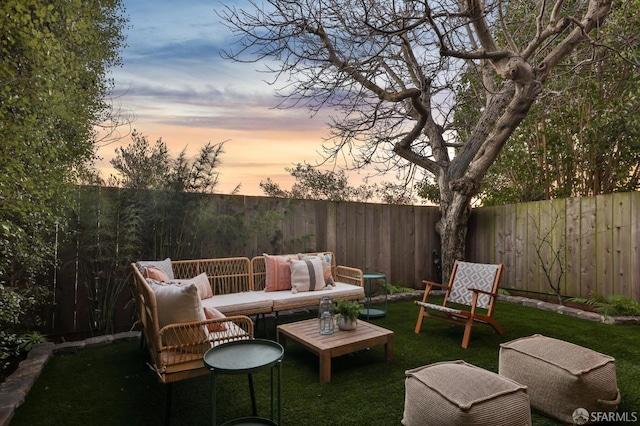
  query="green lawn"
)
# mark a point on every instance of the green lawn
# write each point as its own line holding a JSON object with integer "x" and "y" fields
{"x": 111, "y": 386}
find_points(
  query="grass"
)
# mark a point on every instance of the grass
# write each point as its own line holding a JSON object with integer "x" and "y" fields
{"x": 110, "y": 385}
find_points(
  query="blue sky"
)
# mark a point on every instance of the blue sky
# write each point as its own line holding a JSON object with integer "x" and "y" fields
{"x": 178, "y": 87}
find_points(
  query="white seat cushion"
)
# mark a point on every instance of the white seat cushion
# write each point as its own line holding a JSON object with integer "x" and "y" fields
{"x": 245, "y": 301}
{"x": 287, "y": 300}
{"x": 439, "y": 308}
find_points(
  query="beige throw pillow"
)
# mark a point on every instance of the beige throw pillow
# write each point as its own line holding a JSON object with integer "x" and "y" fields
{"x": 178, "y": 304}
{"x": 201, "y": 282}
{"x": 326, "y": 266}
{"x": 307, "y": 275}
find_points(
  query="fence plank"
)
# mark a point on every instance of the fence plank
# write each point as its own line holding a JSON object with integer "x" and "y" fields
{"x": 533, "y": 267}
{"x": 574, "y": 248}
{"x": 588, "y": 227}
{"x": 387, "y": 256}
{"x": 342, "y": 250}
{"x": 426, "y": 242}
{"x": 634, "y": 291}
{"x": 508, "y": 246}
{"x": 604, "y": 241}
{"x": 331, "y": 229}
{"x": 521, "y": 243}
{"x": 559, "y": 243}
{"x": 621, "y": 273}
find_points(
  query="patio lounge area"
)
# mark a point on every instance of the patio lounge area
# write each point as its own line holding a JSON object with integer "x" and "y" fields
{"x": 111, "y": 384}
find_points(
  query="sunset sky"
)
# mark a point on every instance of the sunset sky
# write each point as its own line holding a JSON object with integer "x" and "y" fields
{"x": 178, "y": 87}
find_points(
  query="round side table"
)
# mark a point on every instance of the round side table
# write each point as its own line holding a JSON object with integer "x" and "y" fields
{"x": 368, "y": 311}
{"x": 246, "y": 357}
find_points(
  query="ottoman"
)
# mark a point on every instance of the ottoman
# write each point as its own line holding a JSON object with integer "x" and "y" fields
{"x": 561, "y": 376}
{"x": 456, "y": 393}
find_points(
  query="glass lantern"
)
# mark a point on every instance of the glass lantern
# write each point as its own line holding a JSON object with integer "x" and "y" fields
{"x": 325, "y": 316}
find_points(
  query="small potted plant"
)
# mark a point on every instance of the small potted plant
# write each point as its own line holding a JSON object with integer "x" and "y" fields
{"x": 347, "y": 312}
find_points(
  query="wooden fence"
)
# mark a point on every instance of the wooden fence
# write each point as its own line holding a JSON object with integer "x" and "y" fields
{"x": 594, "y": 242}
{"x": 585, "y": 244}
{"x": 398, "y": 241}
{"x": 395, "y": 240}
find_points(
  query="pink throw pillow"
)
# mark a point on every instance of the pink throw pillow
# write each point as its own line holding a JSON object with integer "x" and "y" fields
{"x": 278, "y": 272}
{"x": 213, "y": 313}
{"x": 156, "y": 273}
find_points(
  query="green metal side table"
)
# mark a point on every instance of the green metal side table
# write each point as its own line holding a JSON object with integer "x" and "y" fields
{"x": 368, "y": 311}
{"x": 246, "y": 357}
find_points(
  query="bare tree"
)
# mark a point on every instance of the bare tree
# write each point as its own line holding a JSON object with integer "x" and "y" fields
{"x": 550, "y": 253}
{"x": 390, "y": 68}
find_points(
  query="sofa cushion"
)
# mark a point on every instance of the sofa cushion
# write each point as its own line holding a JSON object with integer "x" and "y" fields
{"x": 307, "y": 275}
{"x": 178, "y": 304}
{"x": 325, "y": 258}
{"x": 165, "y": 265}
{"x": 213, "y": 313}
{"x": 201, "y": 282}
{"x": 278, "y": 272}
{"x": 245, "y": 302}
{"x": 283, "y": 300}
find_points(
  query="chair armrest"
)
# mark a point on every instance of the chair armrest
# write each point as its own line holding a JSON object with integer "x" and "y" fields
{"x": 432, "y": 284}
{"x": 348, "y": 275}
{"x": 477, "y": 290}
{"x": 476, "y": 294}
{"x": 191, "y": 337}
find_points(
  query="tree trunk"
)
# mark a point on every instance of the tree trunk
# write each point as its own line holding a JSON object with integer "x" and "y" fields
{"x": 452, "y": 228}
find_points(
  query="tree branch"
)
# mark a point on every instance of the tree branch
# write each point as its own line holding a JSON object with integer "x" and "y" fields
{"x": 596, "y": 13}
{"x": 508, "y": 64}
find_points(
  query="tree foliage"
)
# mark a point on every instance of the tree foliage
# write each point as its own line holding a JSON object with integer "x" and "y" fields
{"x": 582, "y": 136}
{"x": 314, "y": 184}
{"x": 53, "y": 85}
{"x": 143, "y": 166}
{"x": 392, "y": 70}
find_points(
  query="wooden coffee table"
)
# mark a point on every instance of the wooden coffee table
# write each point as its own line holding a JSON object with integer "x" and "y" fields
{"x": 329, "y": 346}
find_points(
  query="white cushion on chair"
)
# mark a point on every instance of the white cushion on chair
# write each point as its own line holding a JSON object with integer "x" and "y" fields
{"x": 439, "y": 308}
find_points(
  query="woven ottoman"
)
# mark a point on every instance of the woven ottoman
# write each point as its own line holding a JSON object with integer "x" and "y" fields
{"x": 456, "y": 393}
{"x": 561, "y": 376}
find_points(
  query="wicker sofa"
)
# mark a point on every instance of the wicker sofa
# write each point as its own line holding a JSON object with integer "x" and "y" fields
{"x": 238, "y": 290}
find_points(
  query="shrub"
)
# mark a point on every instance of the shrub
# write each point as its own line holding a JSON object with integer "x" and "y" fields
{"x": 613, "y": 305}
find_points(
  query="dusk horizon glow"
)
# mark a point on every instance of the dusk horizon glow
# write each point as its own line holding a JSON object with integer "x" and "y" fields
{"x": 177, "y": 86}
